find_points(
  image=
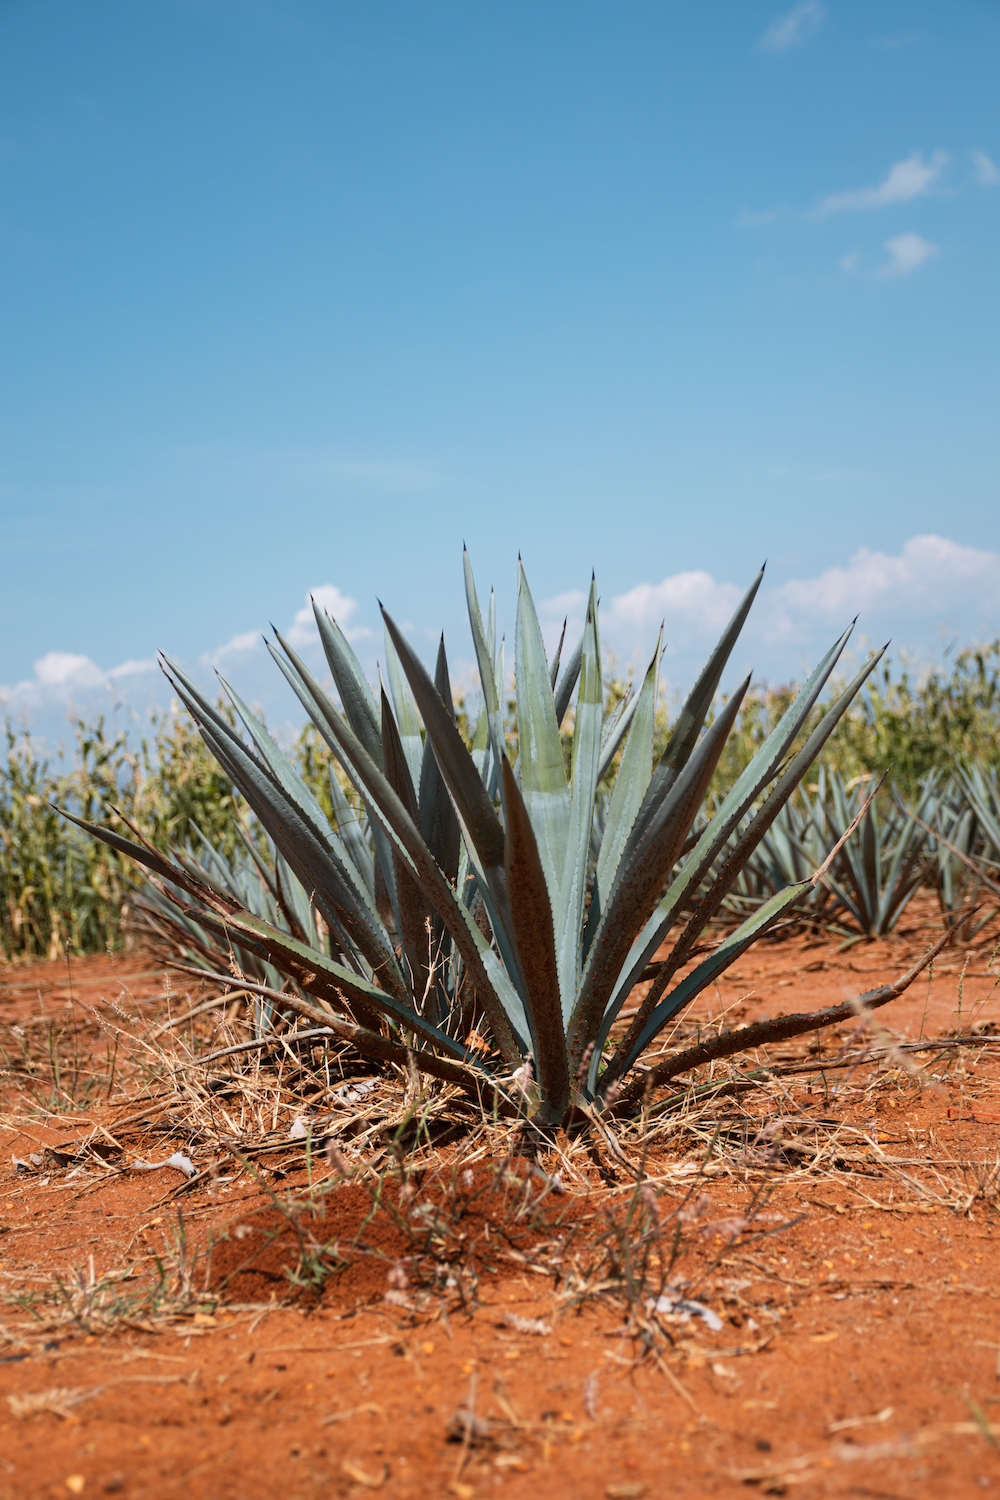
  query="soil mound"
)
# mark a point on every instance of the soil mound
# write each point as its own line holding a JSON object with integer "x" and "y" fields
{"x": 360, "y": 1242}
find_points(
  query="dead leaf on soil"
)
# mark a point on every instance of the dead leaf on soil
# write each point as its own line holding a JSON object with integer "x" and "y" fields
{"x": 60, "y": 1401}
{"x": 352, "y": 1411}
{"x": 360, "y": 1476}
{"x": 878, "y": 1416}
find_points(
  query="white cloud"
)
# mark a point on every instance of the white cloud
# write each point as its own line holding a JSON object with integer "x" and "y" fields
{"x": 339, "y": 606}
{"x": 794, "y": 27}
{"x": 301, "y": 633}
{"x": 931, "y": 575}
{"x": 62, "y": 669}
{"x": 906, "y": 180}
{"x": 906, "y": 253}
{"x": 931, "y": 581}
{"x": 238, "y": 645}
{"x": 62, "y": 679}
{"x": 689, "y": 602}
{"x": 987, "y": 171}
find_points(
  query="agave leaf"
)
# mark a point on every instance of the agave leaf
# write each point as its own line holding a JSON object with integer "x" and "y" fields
{"x": 335, "y": 887}
{"x": 280, "y": 766}
{"x": 748, "y": 841}
{"x": 383, "y": 887}
{"x": 983, "y": 794}
{"x": 151, "y": 859}
{"x": 414, "y": 910}
{"x": 350, "y": 833}
{"x": 329, "y": 981}
{"x": 356, "y": 695}
{"x": 616, "y": 727}
{"x": 572, "y": 888}
{"x": 407, "y": 719}
{"x": 400, "y": 828}
{"x": 492, "y": 686}
{"x": 458, "y": 769}
{"x": 711, "y": 967}
{"x": 543, "y": 773}
{"x": 554, "y": 664}
{"x": 353, "y": 925}
{"x": 638, "y": 883}
{"x": 532, "y": 918}
{"x": 295, "y": 903}
{"x": 685, "y": 732}
{"x": 295, "y": 788}
{"x": 446, "y": 755}
{"x": 265, "y": 874}
{"x": 745, "y": 790}
{"x": 564, "y": 692}
{"x": 438, "y": 822}
{"x": 630, "y": 787}
{"x": 439, "y": 825}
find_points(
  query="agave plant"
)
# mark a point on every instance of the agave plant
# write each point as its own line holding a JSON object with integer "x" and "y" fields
{"x": 464, "y": 907}
{"x": 876, "y": 877}
{"x": 791, "y": 849}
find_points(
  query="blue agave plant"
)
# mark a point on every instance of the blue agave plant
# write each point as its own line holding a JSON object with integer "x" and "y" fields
{"x": 472, "y": 910}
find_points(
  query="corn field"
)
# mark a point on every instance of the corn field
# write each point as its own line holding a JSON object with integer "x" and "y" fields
{"x": 936, "y": 822}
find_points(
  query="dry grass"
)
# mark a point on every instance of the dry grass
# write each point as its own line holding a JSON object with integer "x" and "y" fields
{"x": 292, "y": 1120}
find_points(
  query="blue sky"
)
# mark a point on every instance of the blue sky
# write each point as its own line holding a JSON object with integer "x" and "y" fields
{"x": 302, "y": 295}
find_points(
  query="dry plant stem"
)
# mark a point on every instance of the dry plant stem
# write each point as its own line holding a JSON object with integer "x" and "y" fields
{"x": 370, "y": 1042}
{"x": 761, "y": 1033}
{"x": 263, "y": 1044}
{"x": 198, "y": 1010}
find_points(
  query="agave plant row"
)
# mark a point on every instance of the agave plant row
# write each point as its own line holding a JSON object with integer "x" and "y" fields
{"x": 948, "y": 838}
{"x": 488, "y": 911}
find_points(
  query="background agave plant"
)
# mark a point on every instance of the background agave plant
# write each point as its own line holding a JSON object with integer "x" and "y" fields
{"x": 464, "y": 905}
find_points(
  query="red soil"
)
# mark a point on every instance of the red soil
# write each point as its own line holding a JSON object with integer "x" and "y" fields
{"x": 861, "y": 1328}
